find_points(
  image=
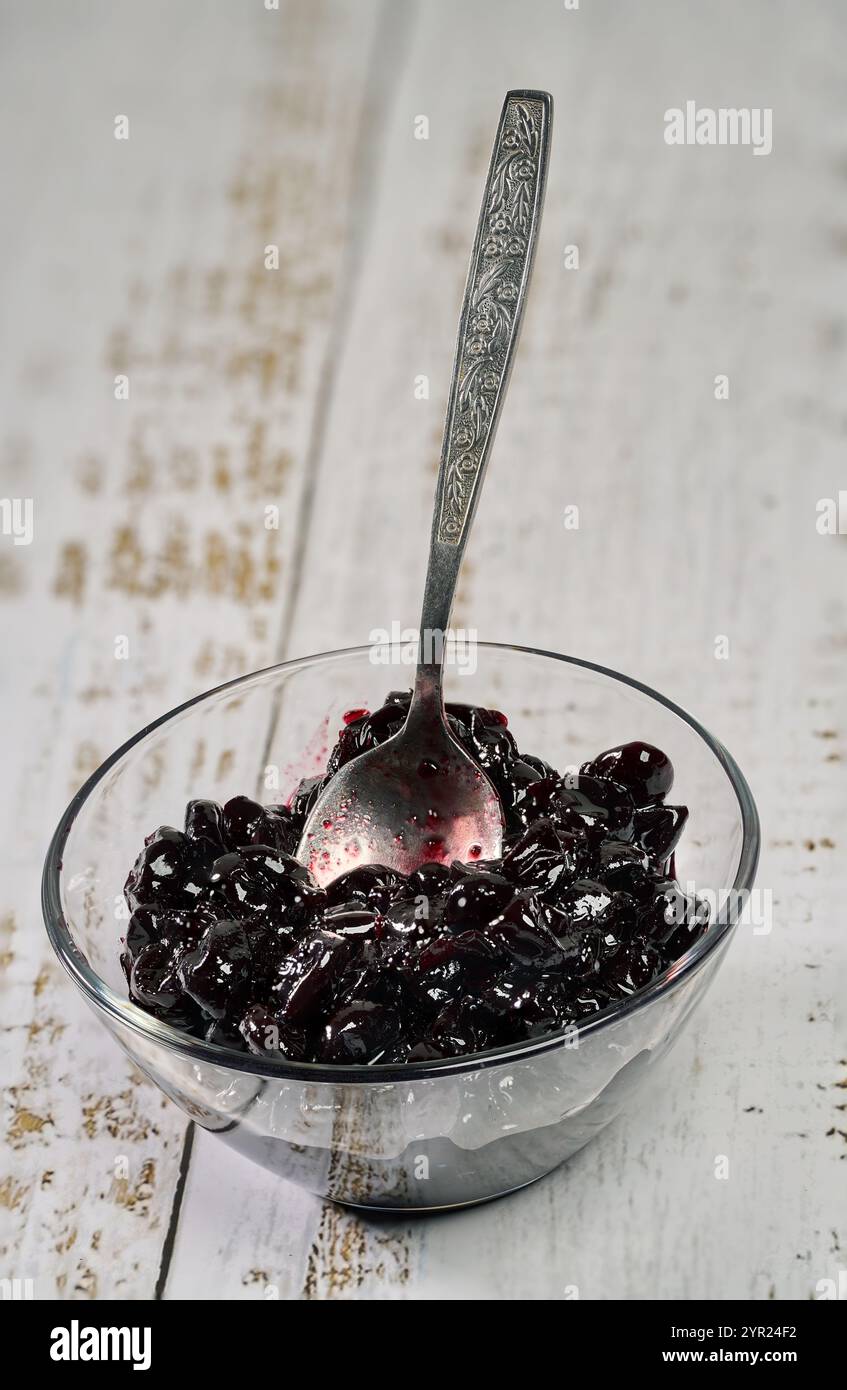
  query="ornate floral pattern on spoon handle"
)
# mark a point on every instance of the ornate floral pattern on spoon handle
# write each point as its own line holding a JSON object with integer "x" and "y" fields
{"x": 500, "y": 266}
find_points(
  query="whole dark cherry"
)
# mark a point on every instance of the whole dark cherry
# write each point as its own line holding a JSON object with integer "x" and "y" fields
{"x": 646, "y": 771}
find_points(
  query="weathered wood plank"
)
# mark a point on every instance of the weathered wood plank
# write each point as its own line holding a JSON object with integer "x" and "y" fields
{"x": 145, "y": 259}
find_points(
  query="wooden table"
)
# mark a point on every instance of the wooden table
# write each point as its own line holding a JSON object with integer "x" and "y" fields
{"x": 300, "y": 387}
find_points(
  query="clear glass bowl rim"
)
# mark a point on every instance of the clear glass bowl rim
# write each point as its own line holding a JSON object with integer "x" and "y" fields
{"x": 104, "y": 998}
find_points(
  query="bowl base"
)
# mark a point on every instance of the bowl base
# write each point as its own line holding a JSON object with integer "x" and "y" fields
{"x": 366, "y": 1207}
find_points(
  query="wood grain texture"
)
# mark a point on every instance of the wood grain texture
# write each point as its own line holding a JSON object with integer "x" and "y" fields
{"x": 697, "y": 519}
{"x": 146, "y": 258}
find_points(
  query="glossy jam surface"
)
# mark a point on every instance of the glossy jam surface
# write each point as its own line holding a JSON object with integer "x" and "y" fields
{"x": 231, "y": 940}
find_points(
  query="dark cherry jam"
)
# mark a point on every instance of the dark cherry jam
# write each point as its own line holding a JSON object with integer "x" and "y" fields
{"x": 231, "y": 940}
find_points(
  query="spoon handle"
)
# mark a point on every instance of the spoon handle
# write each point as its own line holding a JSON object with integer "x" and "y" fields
{"x": 492, "y": 309}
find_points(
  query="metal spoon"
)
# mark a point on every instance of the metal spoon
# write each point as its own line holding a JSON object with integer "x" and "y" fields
{"x": 419, "y": 796}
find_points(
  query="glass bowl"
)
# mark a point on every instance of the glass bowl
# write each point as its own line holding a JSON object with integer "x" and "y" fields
{"x": 428, "y": 1134}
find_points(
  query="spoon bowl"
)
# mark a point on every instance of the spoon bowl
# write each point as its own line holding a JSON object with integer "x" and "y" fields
{"x": 417, "y": 798}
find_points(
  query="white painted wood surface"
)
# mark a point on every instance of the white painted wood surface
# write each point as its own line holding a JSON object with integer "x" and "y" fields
{"x": 248, "y": 388}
